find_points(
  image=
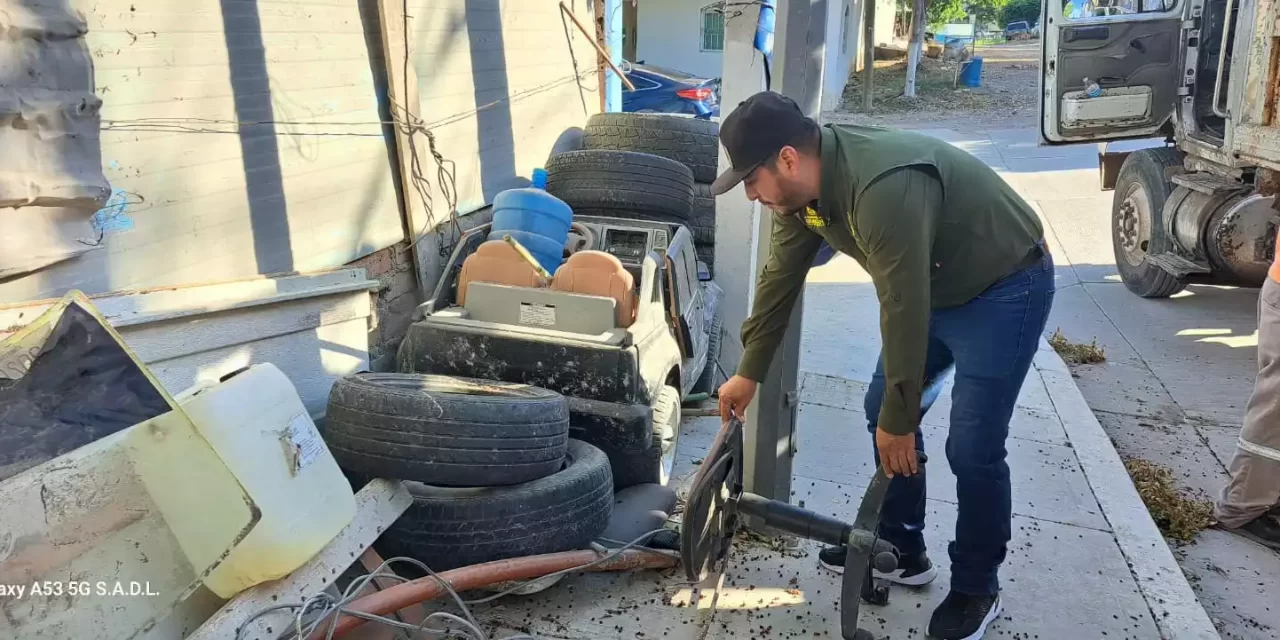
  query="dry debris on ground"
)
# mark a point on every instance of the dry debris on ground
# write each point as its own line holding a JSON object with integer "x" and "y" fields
{"x": 1007, "y": 98}
{"x": 1077, "y": 353}
{"x": 1178, "y": 515}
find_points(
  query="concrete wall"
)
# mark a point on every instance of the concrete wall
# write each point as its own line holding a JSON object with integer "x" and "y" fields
{"x": 841, "y": 62}
{"x": 244, "y": 137}
{"x": 842, "y": 48}
{"x": 669, "y": 33}
{"x": 239, "y": 138}
{"x": 499, "y": 82}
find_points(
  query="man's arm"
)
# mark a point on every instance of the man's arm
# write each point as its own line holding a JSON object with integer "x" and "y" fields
{"x": 895, "y": 219}
{"x": 792, "y": 248}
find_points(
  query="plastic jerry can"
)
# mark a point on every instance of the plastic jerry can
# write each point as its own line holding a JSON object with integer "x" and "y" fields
{"x": 256, "y": 423}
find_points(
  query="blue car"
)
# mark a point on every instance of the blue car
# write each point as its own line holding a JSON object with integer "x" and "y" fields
{"x": 663, "y": 90}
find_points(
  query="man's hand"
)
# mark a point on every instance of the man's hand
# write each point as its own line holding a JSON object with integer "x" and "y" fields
{"x": 897, "y": 453}
{"x": 735, "y": 394}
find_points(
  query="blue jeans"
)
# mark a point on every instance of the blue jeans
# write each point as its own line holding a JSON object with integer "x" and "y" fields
{"x": 990, "y": 342}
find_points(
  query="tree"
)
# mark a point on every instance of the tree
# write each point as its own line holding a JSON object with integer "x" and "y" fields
{"x": 952, "y": 11}
{"x": 919, "y": 16}
{"x": 988, "y": 11}
{"x": 1020, "y": 10}
{"x": 946, "y": 11}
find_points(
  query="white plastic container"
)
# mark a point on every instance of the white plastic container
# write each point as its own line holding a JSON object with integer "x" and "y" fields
{"x": 256, "y": 423}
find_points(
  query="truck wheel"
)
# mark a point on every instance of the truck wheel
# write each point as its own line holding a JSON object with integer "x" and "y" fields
{"x": 447, "y": 431}
{"x": 1137, "y": 228}
{"x": 449, "y": 528}
{"x": 692, "y": 142}
{"x": 622, "y": 184}
{"x": 702, "y": 220}
{"x": 654, "y": 465}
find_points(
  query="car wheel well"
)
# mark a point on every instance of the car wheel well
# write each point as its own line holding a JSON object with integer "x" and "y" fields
{"x": 674, "y": 378}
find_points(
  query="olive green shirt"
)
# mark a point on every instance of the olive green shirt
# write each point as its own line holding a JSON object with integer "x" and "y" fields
{"x": 932, "y": 225}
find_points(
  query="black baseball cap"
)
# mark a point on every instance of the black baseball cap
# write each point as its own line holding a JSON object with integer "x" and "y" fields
{"x": 760, "y": 127}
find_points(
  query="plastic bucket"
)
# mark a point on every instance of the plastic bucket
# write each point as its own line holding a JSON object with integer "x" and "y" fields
{"x": 971, "y": 73}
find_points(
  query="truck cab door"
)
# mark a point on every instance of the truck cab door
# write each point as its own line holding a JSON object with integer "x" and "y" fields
{"x": 1132, "y": 49}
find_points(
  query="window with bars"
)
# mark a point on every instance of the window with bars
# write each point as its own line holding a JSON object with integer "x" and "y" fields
{"x": 713, "y": 28}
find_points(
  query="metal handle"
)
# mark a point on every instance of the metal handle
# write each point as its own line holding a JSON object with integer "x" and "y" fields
{"x": 1222, "y": 61}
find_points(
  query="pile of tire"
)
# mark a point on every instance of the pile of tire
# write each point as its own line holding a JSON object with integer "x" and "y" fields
{"x": 645, "y": 166}
{"x": 490, "y": 465}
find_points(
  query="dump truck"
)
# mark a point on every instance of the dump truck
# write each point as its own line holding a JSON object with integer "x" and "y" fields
{"x": 1204, "y": 75}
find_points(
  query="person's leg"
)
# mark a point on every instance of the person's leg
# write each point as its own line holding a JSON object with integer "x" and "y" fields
{"x": 993, "y": 338}
{"x": 1254, "y": 489}
{"x": 902, "y": 516}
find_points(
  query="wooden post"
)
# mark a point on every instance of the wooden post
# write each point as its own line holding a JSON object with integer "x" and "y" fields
{"x": 868, "y": 53}
{"x": 600, "y": 67}
{"x": 422, "y": 212}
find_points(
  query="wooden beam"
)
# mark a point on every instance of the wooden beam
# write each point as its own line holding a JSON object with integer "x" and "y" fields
{"x": 378, "y": 505}
{"x": 424, "y": 206}
{"x": 601, "y": 51}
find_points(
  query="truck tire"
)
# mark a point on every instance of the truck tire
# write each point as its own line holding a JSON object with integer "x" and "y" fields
{"x": 702, "y": 219}
{"x": 447, "y": 528}
{"x": 1137, "y": 228}
{"x": 447, "y": 431}
{"x": 654, "y": 465}
{"x": 692, "y": 142}
{"x": 622, "y": 184}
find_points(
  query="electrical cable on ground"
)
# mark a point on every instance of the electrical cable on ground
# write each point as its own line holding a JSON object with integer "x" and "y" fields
{"x": 330, "y": 610}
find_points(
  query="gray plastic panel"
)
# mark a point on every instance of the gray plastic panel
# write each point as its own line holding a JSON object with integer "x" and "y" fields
{"x": 541, "y": 308}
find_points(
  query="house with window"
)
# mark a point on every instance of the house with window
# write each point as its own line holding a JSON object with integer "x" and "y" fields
{"x": 688, "y": 35}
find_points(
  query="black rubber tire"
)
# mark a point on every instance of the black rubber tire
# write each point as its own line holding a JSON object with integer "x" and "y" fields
{"x": 693, "y": 142}
{"x": 649, "y": 466}
{"x": 622, "y": 184}
{"x": 702, "y": 219}
{"x": 450, "y": 528}
{"x": 711, "y": 372}
{"x": 707, "y": 254}
{"x": 570, "y": 140}
{"x": 447, "y": 431}
{"x": 1145, "y": 168}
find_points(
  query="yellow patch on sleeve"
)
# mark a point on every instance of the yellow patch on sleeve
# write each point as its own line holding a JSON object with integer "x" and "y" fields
{"x": 813, "y": 219}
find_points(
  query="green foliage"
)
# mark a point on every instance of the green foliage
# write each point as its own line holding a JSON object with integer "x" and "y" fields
{"x": 1018, "y": 10}
{"x": 946, "y": 11}
{"x": 954, "y": 11}
{"x": 988, "y": 11}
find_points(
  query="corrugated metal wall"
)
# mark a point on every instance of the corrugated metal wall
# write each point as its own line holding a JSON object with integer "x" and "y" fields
{"x": 245, "y": 136}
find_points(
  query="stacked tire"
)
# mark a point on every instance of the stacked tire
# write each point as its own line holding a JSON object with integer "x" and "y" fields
{"x": 490, "y": 466}
{"x": 647, "y": 166}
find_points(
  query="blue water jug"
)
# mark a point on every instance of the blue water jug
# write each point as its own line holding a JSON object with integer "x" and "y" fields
{"x": 535, "y": 219}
